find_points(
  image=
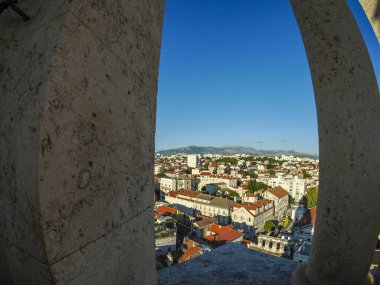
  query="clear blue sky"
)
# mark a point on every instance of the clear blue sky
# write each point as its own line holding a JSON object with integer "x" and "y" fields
{"x": 236, "y": 73}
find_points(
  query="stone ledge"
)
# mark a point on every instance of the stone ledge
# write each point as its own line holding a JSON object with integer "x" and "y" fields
{"x": 230, "y": 264}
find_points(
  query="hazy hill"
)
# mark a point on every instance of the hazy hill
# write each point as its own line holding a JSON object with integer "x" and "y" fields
{"x": 231, "y": 150}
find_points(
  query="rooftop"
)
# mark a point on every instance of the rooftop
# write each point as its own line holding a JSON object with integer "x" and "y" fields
{"x": 230, "y": 264}
{"x": 279, "y": 192}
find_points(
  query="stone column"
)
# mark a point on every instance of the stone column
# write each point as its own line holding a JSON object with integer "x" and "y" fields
{"x": 78, "y": 86}
{"x": 348, "y": 108}
{"x": 372, "y": 10}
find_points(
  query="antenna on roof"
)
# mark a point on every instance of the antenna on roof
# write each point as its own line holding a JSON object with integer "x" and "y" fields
{"x": 12, "y": 4}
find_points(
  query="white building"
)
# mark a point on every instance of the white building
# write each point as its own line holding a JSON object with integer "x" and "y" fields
{"x": 194, "y": 203}
{"x": 280, "y": 198}
{"x": 294, "y": 185}
{"x": 157, "y": 168}
{"x": 175, "y": 184}
{"x": 193, "y": 160}
{"x": 208, "y": 178}
{"x": 250, "y": 197}
{"x": 252, "y": 216}
{"x": 195, "y": 171}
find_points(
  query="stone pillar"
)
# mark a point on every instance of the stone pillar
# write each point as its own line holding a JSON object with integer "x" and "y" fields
{"x": 282, "y": 248}
{"x": 348, "y": 108}
{"x": 78, "y": 86}
{"x": 372, "y": 10}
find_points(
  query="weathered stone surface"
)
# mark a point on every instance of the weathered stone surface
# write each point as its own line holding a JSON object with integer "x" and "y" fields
{"x": 372, "y": 10}
{"x": 348, "y": 109}
{"x": 77, "y": 121}
{"x": 22, "y": 268}
{"x": 130, "y": 29}
{"x": 230, "y": 264}
{"x": 126, "y": 255}
{"x": 95, "y": 143}
{"x": 23, "y": 77}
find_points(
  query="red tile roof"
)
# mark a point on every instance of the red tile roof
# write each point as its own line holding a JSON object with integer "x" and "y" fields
{"x": 166, "y": 209}
{"x": 253, "y": 206}
{"x": 220, "y": 229}
{"x": 279, "y": 192}
{"x": 188, "y": 193}
{"x": 222, "y": 234}
{"x": 190, "y": 253}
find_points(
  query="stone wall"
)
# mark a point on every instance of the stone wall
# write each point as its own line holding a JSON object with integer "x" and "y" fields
{"x": 78, "y": 85}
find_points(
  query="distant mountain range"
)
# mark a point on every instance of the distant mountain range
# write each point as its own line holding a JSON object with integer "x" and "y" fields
{"x": 232, "y": 150}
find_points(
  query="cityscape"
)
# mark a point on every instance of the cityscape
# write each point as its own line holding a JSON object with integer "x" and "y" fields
{"x": 167, "y": 142}
{"x": 202, "y": 202}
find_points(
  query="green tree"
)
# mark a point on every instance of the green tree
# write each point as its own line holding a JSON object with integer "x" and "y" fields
{"x": 253, "y": 175}
{"x": 227, "y": 160}
{"x": 285, "y": 222}
{"x": 305, "y": 174}
{"x": 312, "y": 197}
{"x": 215, "y": 171}
{"x": 233, "y": 193}
{"x": 269, "y": 226}
{"x": 161, "y": 175}
{"x": 255, "y": 186}
{"x": 270, "y": 166}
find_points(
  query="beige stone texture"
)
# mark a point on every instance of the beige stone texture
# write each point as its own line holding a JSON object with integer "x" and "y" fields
{"x": 78, "y": 86}
{"x": 348, "y": 109}
{"x": 372, "y": 10}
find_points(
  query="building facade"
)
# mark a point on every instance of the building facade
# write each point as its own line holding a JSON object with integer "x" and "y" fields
{"x": 280, "y": 198}
{"x": 252, "y": 216}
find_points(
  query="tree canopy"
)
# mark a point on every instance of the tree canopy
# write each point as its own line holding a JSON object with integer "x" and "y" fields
{"x": 253, "y": 175}
{"x": 254, "y": 186}
{"x": 227, "y": 160}
{"x": 233, "y": 193}
{"x": 162, "y": 175}
{"x": 269, "y": 226}
{"x": 312, "y": 197}
{"x": 305, "y": 174}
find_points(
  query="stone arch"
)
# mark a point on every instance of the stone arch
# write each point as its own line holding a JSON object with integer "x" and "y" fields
{"x": 348, "y": 110}
{"x": 77, "y": 120}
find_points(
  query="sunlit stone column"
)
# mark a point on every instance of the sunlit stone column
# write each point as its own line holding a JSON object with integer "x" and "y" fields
{"x": 78, "y": 85}
{"x": 348, "y": 108}
{"x": 372, "y": 10}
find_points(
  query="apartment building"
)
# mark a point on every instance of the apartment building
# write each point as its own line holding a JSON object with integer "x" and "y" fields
{"x": 195, "y": 203}
{"x": 169, "y": 184}
{"x": 280, "y": 198}
{"x": 208, "y": 178}
{"x": 294, "y": 185}
{"x": 252, "y": 216}
{"x": 193, "y": 160}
